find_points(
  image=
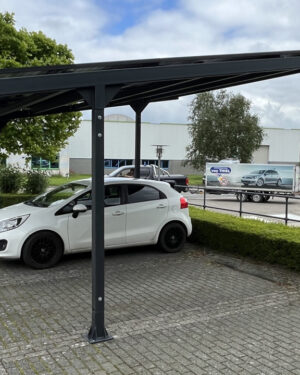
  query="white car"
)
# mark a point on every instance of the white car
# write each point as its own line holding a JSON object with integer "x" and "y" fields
{"x": 137, "y": 212}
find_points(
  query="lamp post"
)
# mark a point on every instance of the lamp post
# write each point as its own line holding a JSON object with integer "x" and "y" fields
{"x": 159, "y": 152}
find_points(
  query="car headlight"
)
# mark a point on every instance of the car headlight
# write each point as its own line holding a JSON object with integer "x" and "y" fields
{"x": 13, "y": 223}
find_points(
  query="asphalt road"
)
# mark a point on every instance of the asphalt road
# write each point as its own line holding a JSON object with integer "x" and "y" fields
{"x": 274, "y": 207}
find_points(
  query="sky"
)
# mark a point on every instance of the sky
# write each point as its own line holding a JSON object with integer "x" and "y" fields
{"x": 110, "y": 30}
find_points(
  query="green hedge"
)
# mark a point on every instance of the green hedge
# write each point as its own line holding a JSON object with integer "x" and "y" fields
{"x": 274, "y": 243}
{"x": 9, "y": 199}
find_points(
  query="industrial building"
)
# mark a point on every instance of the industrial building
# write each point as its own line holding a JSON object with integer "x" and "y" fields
{"x": 279, "y": 146}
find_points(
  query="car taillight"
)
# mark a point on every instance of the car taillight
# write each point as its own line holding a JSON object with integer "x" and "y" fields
{"x": 183, "y": 203}
{"x": 187, "y": 181}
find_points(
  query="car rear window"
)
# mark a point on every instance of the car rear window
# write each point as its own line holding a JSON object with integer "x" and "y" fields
{"x": 143, "y": 193}
{"x": 112, "y": 195}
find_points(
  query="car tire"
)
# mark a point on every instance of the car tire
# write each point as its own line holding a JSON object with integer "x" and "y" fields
{"x": 260, "y": 182}
{"x": 43, "y": 249}
{"x": 172, "y": 238}
{"x": 257, "y": 198}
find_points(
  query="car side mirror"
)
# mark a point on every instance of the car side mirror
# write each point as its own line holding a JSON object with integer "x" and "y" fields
{"x": 77, "y": 209}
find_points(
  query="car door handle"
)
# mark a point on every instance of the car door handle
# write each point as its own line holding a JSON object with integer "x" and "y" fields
{"x": 161, "y": 206}
{"x": 118, "y": 213}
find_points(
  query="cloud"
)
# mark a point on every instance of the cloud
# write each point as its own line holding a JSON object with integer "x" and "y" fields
{"x": 176, "y": 28}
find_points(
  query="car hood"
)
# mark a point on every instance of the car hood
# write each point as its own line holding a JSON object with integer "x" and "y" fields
{"x": 18, "y": 210}
{"x": 251, "y": 175}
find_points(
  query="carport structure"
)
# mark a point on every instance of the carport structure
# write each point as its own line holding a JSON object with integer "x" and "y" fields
{"x": 29, "y": 92}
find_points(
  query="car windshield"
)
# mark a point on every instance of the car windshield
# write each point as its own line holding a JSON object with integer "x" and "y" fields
{"x": 57, "y": 196}
{"x": 261, "y": 171}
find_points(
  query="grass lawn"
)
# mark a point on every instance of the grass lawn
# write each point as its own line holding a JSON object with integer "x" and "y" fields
{"x": 59, "y": 180}
{"x": 195, "y": 179}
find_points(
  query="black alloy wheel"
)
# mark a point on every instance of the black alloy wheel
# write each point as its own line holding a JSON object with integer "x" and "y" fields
{"x": 172, "y": 237}
{"x": 42, "y": 250}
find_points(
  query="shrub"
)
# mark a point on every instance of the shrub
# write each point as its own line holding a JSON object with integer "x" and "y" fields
{"x": 36, "y": 182}
{"x": 10, "y": 179}
{"x": 10, "y": 199}
{"x": 274, "y": 243}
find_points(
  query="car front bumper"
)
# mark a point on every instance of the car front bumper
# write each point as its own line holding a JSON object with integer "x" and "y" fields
{"x": 15, "y": 238}
{"x": 248, "y": 182}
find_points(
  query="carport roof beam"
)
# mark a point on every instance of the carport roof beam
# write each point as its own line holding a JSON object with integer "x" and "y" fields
{"x": 138, "y": 80}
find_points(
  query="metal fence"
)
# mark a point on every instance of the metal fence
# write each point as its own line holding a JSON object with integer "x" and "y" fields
{"x": 242, "y": 197}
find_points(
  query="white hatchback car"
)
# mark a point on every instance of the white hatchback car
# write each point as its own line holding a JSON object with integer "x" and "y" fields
{"x": 137, "y": 212}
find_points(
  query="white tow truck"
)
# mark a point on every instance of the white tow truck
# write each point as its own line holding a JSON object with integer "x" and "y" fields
{"x": 253, "y": 182}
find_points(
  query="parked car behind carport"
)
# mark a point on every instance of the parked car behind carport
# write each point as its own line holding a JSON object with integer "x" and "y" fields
{"x": 150, "y": 172}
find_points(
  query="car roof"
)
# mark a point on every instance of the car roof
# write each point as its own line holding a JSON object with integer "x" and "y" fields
{"x": 131, "y": 180}
{"x": 121, "y": 180}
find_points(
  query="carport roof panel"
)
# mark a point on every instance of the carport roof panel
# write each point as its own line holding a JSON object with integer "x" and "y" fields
{"x": 143, "y": 63}
{"x": 52, "y": 89}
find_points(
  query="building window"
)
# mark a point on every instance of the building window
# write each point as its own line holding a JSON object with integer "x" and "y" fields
{"x": 116, "y": 163}
{"x": 163, "y": 163}
{"x": 107, "y": 163}
{"x": 40, "y": 163}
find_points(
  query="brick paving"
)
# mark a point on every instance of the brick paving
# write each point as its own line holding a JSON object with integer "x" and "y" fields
{"x": 196, "y": 312}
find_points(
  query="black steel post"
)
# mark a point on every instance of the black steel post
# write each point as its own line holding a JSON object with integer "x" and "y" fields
{"x": 138, "y": 107}
{"x": 286, "y": 210}
{"x": 137, "y": 160}
{"x": 241, "y": 203}
{"x": 97, "y": 331}
{"x": 204, "y": 199}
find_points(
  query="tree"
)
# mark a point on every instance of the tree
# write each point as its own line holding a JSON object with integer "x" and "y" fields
{"x": 222, "y": 127}
{"x": 41, "y": 136}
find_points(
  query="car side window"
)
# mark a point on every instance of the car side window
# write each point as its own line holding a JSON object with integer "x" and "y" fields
{"x": 112, "y": 195}
{"x": 85, "y": 199}
{"x": 143, "y": 193}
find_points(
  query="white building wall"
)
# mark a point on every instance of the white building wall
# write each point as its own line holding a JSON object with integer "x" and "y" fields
{"x": 17, "y": 161}
{"x": 284, "y": 145}
{"x": 64, "y": 162}
{"x": 80, "y": 145}
{"x": 120, "y": 140}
